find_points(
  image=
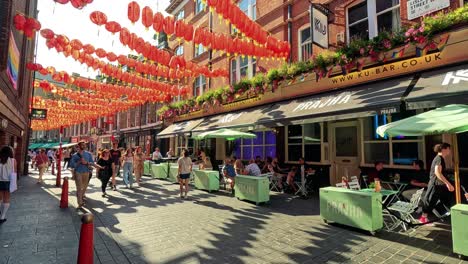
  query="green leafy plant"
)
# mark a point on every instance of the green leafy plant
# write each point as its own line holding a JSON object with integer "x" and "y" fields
{"x": 273, "y": 75}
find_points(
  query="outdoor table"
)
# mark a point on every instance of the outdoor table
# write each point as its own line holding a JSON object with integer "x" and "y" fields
{"x": 147, "y": 167}
{"x": 396, "y": 186}
{"x": 159, "y": 171}
{"x": 206, "y": 180}
{"x": 252, "y": 188}
{"x": 386, "y": 194}
{"x": 173, "y": 174}
{"x": 360, "y": 209}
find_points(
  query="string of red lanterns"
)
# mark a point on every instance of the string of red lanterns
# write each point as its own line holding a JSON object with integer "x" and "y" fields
{"x": 78, "y": 4}
{"x": 26, "y": 25}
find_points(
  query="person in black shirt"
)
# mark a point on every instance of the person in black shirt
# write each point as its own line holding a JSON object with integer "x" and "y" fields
{"x": 418, "y": 179}
{"x": 377, "y": 172}
{"x": 116, "y": 157}
{"x": 439, "y": 188}
{"x": 107, "y": 170}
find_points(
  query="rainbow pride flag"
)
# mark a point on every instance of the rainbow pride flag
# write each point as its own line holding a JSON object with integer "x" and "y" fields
{"x": 13, "y": 62}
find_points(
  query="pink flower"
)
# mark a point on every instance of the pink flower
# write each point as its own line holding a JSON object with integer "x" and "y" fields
{"x": 362, "y": 51}
{"x": 387, "y": 44}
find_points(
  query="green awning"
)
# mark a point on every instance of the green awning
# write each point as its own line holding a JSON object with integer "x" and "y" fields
{"x": 35, "y": 145}
{"x": 448, "y": 119}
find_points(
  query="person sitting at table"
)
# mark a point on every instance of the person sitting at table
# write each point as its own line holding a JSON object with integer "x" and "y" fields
{"x": 170, "y": 153}
{"x": 252, "y": 169}
{"x": 229, "y": 172}
{"x": 238, "y": 166}
{"x": 206, "y": 164}
{"x": 259, "y": 161}
{"x": 418, "y": 179}
{"x": 290, "y": 178}
{"x": 266, "y": 167}
{"x": 378, "y": 172}
{"x": 156, "y": 157}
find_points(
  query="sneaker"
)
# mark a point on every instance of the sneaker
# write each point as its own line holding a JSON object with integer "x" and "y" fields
{"x": 2, "y": 221}
{"x": 424, "y": 220}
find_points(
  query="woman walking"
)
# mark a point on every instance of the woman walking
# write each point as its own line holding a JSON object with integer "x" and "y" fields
{"x": 128, "y": 168}
{"x": 7, "y": 167}
{"x": 105, "y": 173}
{"x": 185, "y": 169}
{"x": 439, "y": 188}
{"x": 42, "y": 162}
{"x": 138, "y": 164}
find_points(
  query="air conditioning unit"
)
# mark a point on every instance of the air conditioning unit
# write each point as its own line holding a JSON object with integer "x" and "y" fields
{"x": 340, "y": 37}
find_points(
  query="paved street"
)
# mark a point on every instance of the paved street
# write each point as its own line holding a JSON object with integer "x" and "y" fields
{"x": 152, "y": 224}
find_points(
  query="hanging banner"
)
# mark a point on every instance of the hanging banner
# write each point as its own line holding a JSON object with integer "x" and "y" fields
{"x": 419, "y": 8}
{"x": 13, "y": 62}
{"x": 319, "y": 22}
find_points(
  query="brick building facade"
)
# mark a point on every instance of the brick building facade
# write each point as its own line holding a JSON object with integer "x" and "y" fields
{"x": 15, "y": 80}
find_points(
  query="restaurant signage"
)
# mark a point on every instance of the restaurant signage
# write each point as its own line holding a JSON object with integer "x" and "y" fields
{"x": 229, "y": 118}
{"x": 455, "y": 77}
{"x": 38, "y": 114}
{"x": 342, "y": 98}
{"x": 319, "y": 26}
{"x": 419, "y": 8}
{"x": 345, "y": 209}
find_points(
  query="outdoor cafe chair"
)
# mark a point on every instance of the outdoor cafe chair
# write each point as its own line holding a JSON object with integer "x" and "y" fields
{"x": 354, "y": 185}
{"x": 341, "y": 185}
{"x": 222, "y": 179}
{"x": 354, "y": 179}
{"x": 404, "y": 210}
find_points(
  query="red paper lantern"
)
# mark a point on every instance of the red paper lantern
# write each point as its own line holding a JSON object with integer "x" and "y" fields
{"x": 168, "y": 25}
{"x": 76, "y": 44}
{"x": 47, "y": 33}
{"x": 124, "y": 36}
{"x": 179, "y": 29}
{"x": 133, "y": 11}
{"x": 113, "y": 27}
{"x": 98, "y": 18}
{"x": 78, "y": 4}
{"x": 147, "y": 17}
{"x": 19, "y": 20}
{"x": 89, "y": 49}
{"x": 158, "y": 22}
{"x": 62, "y": 1}
{"x": 101, "y": 53}
{"x": 188, "y": 34}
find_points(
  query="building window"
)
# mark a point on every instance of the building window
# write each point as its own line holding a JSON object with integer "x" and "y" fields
{"x": 304, "y": 141}
{"x": 305, "y": 47}
{"x": 398, "y": 150}
{"x": 199, "y": 49}
{"x": 180, "y": 15}
{"x": 242, "y": 67}
{"x": 264, "y": 145}
{"x": 249, "y": 7}
{"x": 199, "y": 6}
{"x": 199, "y": 85}
{"x": 368, "y": 18}
{"x": 179, "y": 50}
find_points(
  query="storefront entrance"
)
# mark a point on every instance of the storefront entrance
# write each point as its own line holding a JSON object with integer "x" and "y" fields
{"x": 344, "y": 150}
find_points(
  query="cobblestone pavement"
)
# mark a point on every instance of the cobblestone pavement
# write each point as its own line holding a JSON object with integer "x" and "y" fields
{"x": 152, "y": 224}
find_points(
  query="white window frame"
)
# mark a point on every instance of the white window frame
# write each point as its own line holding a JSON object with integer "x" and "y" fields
{"x": 390, "y": 141}
{"x": 179, "y": 50}
{"x": 198, "y": 84}
{"x": 180, "y": 15}
{"x": 301, "y": 56}
{"x": 197, "y": 49}
{"x": 371, "y": 17}
{"x": 252, "y": 146}
{"x": 302, "y": 145}
{"x": 197, "y": 4}
{"x": 250, "y": 67}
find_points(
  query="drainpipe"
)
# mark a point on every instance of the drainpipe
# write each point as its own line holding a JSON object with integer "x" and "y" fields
{"x": 290, "y": 30}
{"x": 210, "y": 55}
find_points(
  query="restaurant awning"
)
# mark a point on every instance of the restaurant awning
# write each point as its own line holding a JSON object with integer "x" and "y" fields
{"x": 242, "y": 119}
{"x": 384, "y": 97}
{"x": 440, "y": 87}
{"x": 180, "y": 128}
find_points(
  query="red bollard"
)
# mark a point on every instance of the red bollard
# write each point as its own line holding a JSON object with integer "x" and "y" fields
{"x": 64, "y": 196}
{"x": 86, "y": 247}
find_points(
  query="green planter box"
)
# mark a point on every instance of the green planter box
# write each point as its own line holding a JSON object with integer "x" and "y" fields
{"x": 459, "y": 215}
{"x": 147, "y": 167}
{"x": 361, "y": 210}
{"x": 255, "y": 189}
{"x": 159, "y": 171}
{"x": 173, "y": 173}
{"x": 206, "y": 180}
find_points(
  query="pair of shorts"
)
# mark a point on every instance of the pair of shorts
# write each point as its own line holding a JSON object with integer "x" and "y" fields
{"x": 4, "y": 186}
{"x": 184, "y": 176}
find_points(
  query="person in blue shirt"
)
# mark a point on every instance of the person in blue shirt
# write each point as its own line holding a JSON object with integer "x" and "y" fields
{"x": 229, "y": 172}
{"x": 81, "y": 162}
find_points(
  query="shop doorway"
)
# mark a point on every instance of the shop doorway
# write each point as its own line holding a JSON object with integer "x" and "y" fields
{"x": 344, "y": 150}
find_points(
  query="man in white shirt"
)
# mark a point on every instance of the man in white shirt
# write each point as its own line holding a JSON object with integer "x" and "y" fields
{"x": 156, "y": 155}
{"x": 252, "y": 169}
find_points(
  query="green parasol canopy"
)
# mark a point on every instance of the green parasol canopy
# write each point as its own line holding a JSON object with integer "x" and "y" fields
{"x": 448, "y": 119}
{"x": 225, "y": 133}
